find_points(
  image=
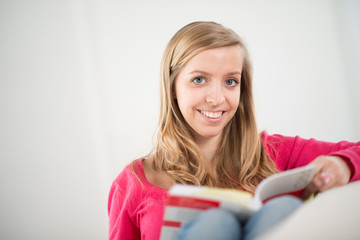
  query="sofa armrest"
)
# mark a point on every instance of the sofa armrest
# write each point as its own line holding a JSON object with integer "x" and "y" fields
{"x": 334, "y": 214}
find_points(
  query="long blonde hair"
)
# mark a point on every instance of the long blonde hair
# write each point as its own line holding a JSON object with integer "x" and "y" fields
{"x": 241, "y": 160}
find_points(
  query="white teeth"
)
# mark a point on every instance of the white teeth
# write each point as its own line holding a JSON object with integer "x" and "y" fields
{"x": 212, "y": 114}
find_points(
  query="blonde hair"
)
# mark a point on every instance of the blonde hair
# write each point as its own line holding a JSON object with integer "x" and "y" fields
{"x": 241, "y": 160}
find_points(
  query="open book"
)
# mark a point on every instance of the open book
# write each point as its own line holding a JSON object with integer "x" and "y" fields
{"x": 185, "y": 202}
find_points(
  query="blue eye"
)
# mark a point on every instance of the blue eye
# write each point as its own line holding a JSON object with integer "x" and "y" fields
{"x": 199, "y": 80}
{"x": 231, "y": 82}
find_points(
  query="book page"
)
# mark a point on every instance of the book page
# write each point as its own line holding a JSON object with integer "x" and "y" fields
{"x": 284, "y": 182}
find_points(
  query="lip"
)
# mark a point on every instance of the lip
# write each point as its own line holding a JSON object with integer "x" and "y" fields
{"x": 212, "y": 120}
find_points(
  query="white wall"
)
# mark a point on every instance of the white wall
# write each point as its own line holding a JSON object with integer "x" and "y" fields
{"x": 79, "y": 93}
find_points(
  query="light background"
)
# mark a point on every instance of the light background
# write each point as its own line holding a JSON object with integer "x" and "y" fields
{"x": 79, "y": 93}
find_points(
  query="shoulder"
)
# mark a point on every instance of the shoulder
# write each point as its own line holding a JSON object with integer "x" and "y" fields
{"x": 132, "y": 182}
{"x": 131, "y": 177}
{"x": 275, "y": 142}
{"x": 280, "y": 148}
{"x": 128, "y": 176}
{"x": 267, "y": 138}
{"x": 124, "y": 184}
{"x": 130, "y": 190}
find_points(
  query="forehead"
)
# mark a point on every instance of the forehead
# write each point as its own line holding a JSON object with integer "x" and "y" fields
{"x": 228, "y": 58}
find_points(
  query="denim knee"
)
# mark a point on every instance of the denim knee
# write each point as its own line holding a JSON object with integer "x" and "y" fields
{"x": 271, "y": 214}
{"x": 284, "y": 202}
{"x": 212, "y": 224}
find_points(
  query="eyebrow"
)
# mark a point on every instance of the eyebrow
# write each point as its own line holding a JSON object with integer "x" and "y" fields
{"x": 209, "y": 74}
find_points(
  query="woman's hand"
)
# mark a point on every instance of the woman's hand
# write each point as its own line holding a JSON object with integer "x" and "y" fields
{"x": 332, "y": 171}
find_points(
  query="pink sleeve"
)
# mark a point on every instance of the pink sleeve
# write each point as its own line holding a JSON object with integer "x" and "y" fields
{"x": 121, "y": 223}
{"x": 292, "y": 152}
{"x": 135, "y": 207}
{"x": 151, "y": 216}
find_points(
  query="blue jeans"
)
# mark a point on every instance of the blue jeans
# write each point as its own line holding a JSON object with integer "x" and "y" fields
{"x": 221, "y": 224}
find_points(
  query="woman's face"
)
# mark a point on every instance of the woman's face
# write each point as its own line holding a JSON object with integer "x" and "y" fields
{"x": 208, "y": 89}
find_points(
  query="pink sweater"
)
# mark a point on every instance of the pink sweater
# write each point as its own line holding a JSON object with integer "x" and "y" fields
{"x": 136, "y": 206}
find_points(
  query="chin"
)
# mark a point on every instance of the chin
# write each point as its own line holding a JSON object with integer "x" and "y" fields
{"x": 209, "y": 134}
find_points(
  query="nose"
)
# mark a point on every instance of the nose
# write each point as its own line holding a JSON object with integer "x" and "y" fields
{"x": 215, "y": 95}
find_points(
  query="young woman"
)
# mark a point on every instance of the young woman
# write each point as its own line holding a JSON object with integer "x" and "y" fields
{"x": 207, "y": 135}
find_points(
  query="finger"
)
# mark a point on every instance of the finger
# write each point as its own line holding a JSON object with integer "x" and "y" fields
{"x": 316, "y": 183}
{"x": 309, "y": 190}
{"x": 327, "y": 179}
{"x": 326, "y": 176}
{"x": 321, "y": 181}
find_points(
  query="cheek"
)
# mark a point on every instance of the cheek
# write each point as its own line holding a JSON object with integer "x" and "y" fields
{"x": 187, "y": 99}
{"x": 182, "y": 101}
{"x": 235, "y": 101}
{"x": 181, "y": 106}
{"x": 185, "y": 105}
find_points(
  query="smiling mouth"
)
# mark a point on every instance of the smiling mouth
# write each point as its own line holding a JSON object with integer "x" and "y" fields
{"x": 213, "y": 115}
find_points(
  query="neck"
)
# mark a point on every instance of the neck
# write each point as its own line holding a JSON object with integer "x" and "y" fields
{"x": 208, "y": 146}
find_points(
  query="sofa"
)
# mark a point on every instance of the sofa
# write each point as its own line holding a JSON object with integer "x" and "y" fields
{"x": 333, "y": 214}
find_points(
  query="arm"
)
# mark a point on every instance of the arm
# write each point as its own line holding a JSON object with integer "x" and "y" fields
{"x": 338, "y": 161}
{"x": 121, "y": 223}
{"x": 135, "y": 206}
